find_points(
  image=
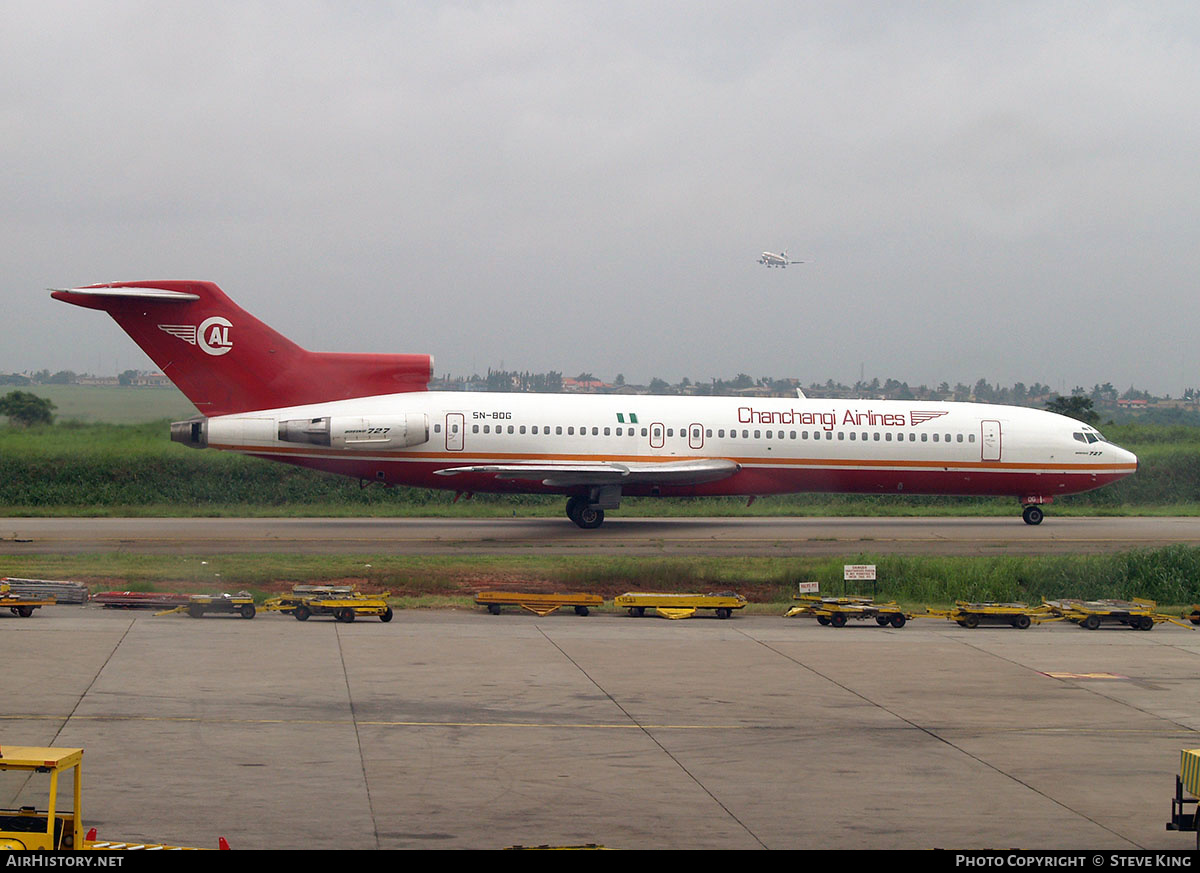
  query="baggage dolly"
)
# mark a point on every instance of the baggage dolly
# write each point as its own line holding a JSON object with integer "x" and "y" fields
{"x": 19, "y": 605}
{"x": 538, "y": 604}
{"x": 836, "y": 611}
{"x": 972, "y": 615}
{"x": 1139, "y": 614}
{"x": 679, "y": 605}
{"x": 342, "y": 602}
{"x": 231, "y": 604}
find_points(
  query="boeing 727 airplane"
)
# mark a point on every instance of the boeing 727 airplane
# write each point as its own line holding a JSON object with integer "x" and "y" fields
{"x": 371, "y": 416}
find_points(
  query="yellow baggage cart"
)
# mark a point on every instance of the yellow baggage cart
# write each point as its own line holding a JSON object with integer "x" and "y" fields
{"x": 539, "y": 604}
{"x": 837, "y": 611}
{"x": 342, "y": 602}
{"x": 679, "y": 605}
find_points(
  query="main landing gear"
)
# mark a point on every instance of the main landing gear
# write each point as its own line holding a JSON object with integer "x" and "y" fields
{"x": 580, "y": 511}
{"x": 1033, "y": 514}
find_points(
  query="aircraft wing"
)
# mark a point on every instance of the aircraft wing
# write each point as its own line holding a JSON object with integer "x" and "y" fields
{"x": 556, "y": 475}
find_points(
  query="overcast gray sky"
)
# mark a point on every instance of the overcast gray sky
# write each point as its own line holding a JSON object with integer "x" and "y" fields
{"x": 1008, "y": 190}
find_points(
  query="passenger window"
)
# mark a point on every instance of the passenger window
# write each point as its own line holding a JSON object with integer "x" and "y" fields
{"x": 474, "y": 428}
{"x": 924, "y": 437}
{"x": 606, "y": 432}
{"x": 437, "y": 428}
{"x": 960, "y": 439}
{"x": 842, "y": 435}
{"x": 522, "y": 429}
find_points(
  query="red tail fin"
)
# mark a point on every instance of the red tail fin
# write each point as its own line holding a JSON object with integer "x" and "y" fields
{"x": 226, "y": 360}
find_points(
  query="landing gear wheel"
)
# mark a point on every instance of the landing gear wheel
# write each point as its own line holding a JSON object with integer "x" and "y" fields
{"x": 582, "y": 514}
{"x": 302, "y": 612}
{"x": 574, "y": 504}
{"x": 1033, "y": 514}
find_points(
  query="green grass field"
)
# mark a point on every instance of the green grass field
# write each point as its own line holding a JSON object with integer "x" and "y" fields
{"x": 1170, "y": 576}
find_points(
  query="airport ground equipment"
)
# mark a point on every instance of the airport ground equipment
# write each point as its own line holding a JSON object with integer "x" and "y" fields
{"x": 836, "y": 611}
{"x": 679, "y": 605}
{"x": 49, "y": 830}
{"x": 341, "y": 601}
{"x": 1187, "y": 781}
{"x": 62, "y": 592}
{"x": 21, "y": 605}
{"x": 140, "y": 599}
{"x": 1194, "y": 615}
{"x": 1018, "y": 615}
{"x": 1139, "y": 614}
{"x": 229, "y": 604}
{"x": 539, "y": 604}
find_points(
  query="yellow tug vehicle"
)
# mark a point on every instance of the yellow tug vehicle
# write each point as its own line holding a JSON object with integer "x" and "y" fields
{"x": 837, "y": 611}
{"x": 49, "y": 830}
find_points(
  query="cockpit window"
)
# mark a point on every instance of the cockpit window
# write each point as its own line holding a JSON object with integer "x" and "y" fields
{"x": 1079, "y": 437}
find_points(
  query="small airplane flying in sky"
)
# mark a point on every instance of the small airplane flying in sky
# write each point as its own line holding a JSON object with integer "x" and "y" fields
{"x": 770, "y": 259}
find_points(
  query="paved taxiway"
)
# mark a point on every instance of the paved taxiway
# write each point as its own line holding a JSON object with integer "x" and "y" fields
{"x": 459, "y": 729}
{"x": 623, "y": 536}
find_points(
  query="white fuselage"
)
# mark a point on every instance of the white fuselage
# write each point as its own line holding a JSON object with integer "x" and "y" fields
{"x": 443, "y": 439}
